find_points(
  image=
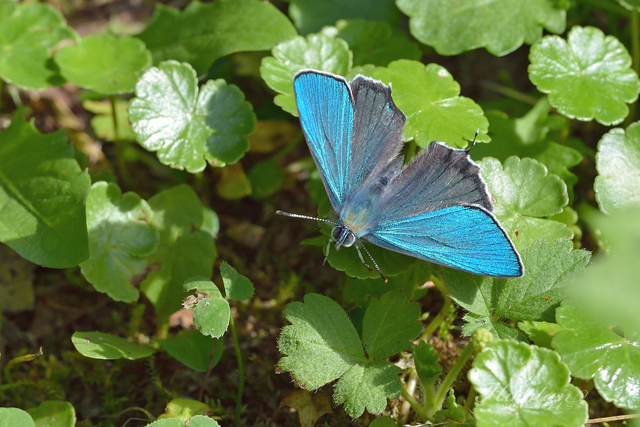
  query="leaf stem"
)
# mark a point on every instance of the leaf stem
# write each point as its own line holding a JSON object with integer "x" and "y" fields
{"x": 236, "y": 346}
{"x": 511, "y": 93}
{"x": 471, "y": 398}
{"x": 441, "y": 394}
{"x": 420, "y": 411}
{"x": 437, "y": 320}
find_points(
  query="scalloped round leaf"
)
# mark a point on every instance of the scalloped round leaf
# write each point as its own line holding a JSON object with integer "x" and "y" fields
{"x": 431, "y": 100}
{"x": 43, "y": 193}
{"x": 211, "y": 316}
{"x": 236, "y": 286}
{"x": 367, "y": 385}
{"x": 589, "y": 76}
{"x": 374, "y": 42}
{"x": 618, "y": 162}
{"x": 29, "y": 33}
{"x": 104, "y": 63}
{"x": 14, "y": 417}
{"x": 317, "y": 51}
{"x": 202, "y": 421}
{"x": 204, "y": 32}
{"x": 500, "y": 26}
{"x": 311, "y": 15}
{"x": 120, "y": 237}
{"x": 98, "y": 345}
{"x": 53, "y": 413}
{"x": 523, "y": 385}
{"x": 188, "y": 126}
{"x": 523, "y": 194}
{"x": 594, "y": 351}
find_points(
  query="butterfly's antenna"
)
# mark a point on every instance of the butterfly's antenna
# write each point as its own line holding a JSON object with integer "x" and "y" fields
{"x": 473, "y": 143}
{"x": 292, "y": 215}
{"x": 374, "y": 263}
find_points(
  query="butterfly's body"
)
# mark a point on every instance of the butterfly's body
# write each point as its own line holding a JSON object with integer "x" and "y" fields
{"x": 435, "y": 208}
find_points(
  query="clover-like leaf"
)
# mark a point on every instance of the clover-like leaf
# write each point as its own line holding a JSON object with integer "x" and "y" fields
{"x": 104, "y": 63}
{"x": 618, "y": 162}
{"x": 211, "y": 313}
{"x": 431, "y": 100}
{"x": 425, "y": 359}
{"x": 374, "y": 42}
{"x": 317, "y": 51}
{"x": 42, "y": 193}
{"x": 188, "y": 126}
{"x": 98, "y": 345}
{"x": 53, "y": 413}
{"x": 193, "y": 350}
{"x": 120, "y": 237}
{"x": 322, "y": 345}
{"x": 500, "y": 26}
{"x": 14, "y": 417}
{"x": 237, "y": 287}
{"x": 593, "y": 351}
{"x": 524, "y": 193}
{"x": 204, "y": 32}
{"x": 390, "y": 324}
{"x": 29, "y": 32}
{"x": 523, "y": 385}
{"x": 589, "y": 76}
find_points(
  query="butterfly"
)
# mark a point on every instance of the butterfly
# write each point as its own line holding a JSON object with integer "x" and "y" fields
{"x": 436, "y": 207}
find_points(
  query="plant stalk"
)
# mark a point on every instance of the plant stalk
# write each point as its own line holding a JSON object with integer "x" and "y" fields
{"x": 121, "y": 164}
{"x": 236, "y": 346}
{"x": 420, "y": 411}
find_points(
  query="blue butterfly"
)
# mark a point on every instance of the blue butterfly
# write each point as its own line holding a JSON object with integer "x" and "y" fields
{"x": 436, "y": 208}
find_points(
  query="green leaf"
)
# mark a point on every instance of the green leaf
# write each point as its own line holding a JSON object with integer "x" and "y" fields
{"x": 233, "y": 183}
{"x": 550, "y": 267}
{"x": 236, "y": 286}
{"x": 204, "y": 32}
{"x": 42, "y": 194}
{"x": 593, "y": 351}
{"x": 524, "y": 193}
{"x": 167, "y": 422}
{"x": 588, "y": 77}
{"x": 120, "y": 237}
{"x": 202, "y": 421}
{"x": 374, "y": 42}
{"x": 522, "y": 385}
{"x": 390, "y": 324}
{"x": 385, "y": 421}
{"x": 311, "y": 15}
{"x": 98, "y": 345}
{"x": 104, "y": 63}
{"x": 425, "y": 359}
{"x": 30, "y": 31}
{"x": 266, "y": 178}
{"x": 16, "y": 282}
{"x": 185, "y": 409}
{"x": 618, "y": 162}
{"x": 193, "y": 349}
{"x": 53, "y": 413}
{"x": 188, "y": 126}
{"x": 431, "y": 100}
{"x": 630, "y": 4}
{"x": 317, "y": 51}
{"x": 211, "y": 314}
{"x": 540, "y": 333}
{"x": 500, "y": 26}
{"x": 102, "y": 122}
{"x": 14, "y": 417}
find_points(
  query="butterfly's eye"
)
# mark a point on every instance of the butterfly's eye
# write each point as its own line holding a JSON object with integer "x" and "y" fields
{"x": 336, "y": 232}
{"x": 350, "y": 240}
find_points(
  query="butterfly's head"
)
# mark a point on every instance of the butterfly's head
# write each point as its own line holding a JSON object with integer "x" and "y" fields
{"x": 343, "y": 236}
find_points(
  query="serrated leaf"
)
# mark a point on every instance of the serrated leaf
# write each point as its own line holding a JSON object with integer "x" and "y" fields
{"x": 102, "y": 122}
{"x": 374, "y": 42}
{"x": 237, "y": 287}
{"x": 550, "y": 267}
{"x": 317, "y": 51}
{"x": 188, "y": 126}
{"x": 497, "y": 328}
{"x": 29, "y": 32}
{"x": 367, "y": 385}
{"x": 311, "y": 15}
{"x": 193, "y": 350}
{"x": 522, "y": 385}
{"x": 53, "y": 413}
{"x": 500, "y": 26}
{"x": 104, "y": 63}
{"x": 98, "y": 345}
{"x": 589, "y": 76}
{"x": 14, "y": 417}
{"x": 524, "y": 193}
{"x": 42, "y": 193}
{"x": 390, "y": 324}
{"x": 431, "y": 100}
{"x": 204, "y": 32}
{"x": 120, "y": 237}
{"x": 618, "y": 162}
{"x": 425, "y": 359}
{"x": 593, "y": 351}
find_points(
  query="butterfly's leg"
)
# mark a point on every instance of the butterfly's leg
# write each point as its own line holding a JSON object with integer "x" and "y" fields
{"x": 360, "y": 255}
{"x": 327, "y": 251}
{"x": 375, "y": 264}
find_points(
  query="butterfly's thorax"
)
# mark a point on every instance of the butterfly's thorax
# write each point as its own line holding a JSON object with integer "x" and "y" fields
{"x": 359, "y": 213}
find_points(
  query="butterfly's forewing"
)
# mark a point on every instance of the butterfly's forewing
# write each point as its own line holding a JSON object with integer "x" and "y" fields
{"x": 326, "y": 114}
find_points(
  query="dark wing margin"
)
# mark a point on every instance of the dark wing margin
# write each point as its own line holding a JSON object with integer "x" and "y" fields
{"x": 326, "y": 112}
